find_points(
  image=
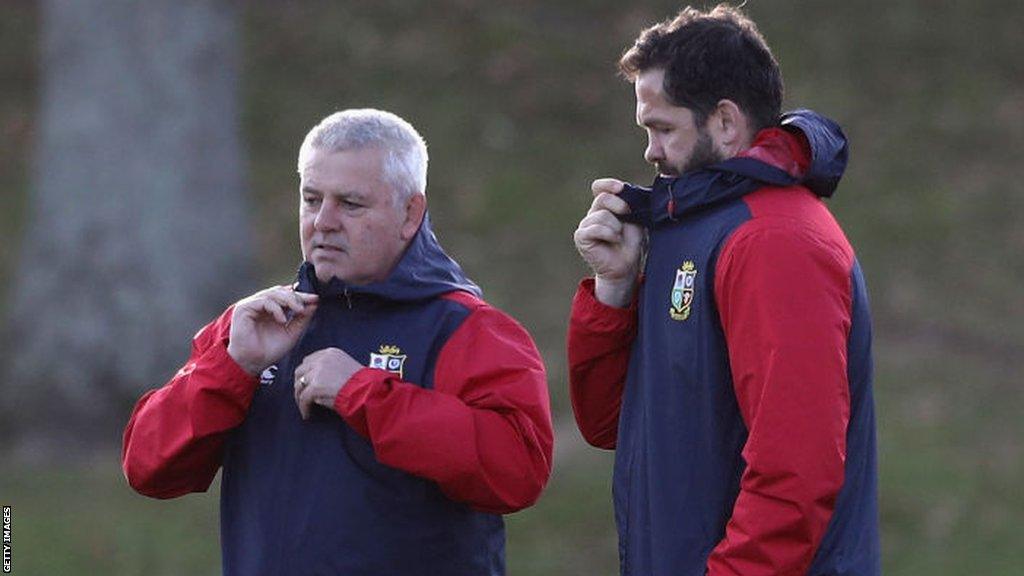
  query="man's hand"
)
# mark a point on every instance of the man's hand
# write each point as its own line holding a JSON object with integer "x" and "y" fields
{"x": 609, "y": 246}
{"x": 266, "y": 325}
{"x": 321, "y": 376}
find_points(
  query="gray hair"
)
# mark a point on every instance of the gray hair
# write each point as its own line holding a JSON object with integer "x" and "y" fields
{"x": 405, "y": 161}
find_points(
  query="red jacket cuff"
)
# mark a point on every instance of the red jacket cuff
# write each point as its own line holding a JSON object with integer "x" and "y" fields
{"x": 353, "y": 396}
{"x": 223, "y": 368}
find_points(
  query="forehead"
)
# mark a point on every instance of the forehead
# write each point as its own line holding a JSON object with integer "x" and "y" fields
{"x": 348, "y": 171}
{"x": 652, "y": 104}
{"x": 649, "y": 85}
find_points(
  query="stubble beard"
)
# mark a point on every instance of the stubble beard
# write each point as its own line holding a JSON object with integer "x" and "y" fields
{"x": 703, "y": 155}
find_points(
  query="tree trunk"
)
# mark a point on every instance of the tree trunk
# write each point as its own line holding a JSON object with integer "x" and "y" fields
{"x": 138, "y": 228}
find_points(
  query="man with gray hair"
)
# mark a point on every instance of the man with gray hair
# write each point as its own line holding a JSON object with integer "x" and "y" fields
{"x": 376, "y": 417}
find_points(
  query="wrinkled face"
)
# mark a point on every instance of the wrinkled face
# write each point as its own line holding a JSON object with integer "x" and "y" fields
{"x": 351, "y": 225}
{"x": 675, "y": 143}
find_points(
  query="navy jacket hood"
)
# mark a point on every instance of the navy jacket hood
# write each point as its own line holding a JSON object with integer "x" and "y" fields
{"x": 670, "y": 198}
{"x": 424, "y": 271}
{"x": 829, "y": 149}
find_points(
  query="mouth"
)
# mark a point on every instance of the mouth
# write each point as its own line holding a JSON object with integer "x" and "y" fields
{"x": 329, "y": 248}
{"x": 667, "y": 171}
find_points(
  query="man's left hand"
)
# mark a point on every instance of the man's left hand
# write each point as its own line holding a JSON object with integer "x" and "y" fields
{"x": 321, "y": 376}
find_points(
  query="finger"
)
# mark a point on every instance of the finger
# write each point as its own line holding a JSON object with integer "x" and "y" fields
{"x": 306, "y": 401}
{"x": 299, "y": 381}
{"x": 299, "y": 389}
{"x": 632, "y": 233}
{"x": 339, "y": 352}
{"x": 309, "y": 305}
{"x": 602, "y": 218}
{"x": 325, "y": 401}
{"x": 298, "y": 323}
{"x": 288, "y": 300}
{"x": 590, "y": 235}
{"x": 599, "y": 229}
{"x": 251, "y": 305}
{"x": 295, "y": 299}
{"x": 304, "y": 296}
{"x": 611, "y": 203}
{"x": 606, "y": 186}
{"x": 271, "y": 308}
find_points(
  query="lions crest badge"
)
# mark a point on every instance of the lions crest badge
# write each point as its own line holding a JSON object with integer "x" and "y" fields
{"x": 682, "y": 291}
{"x": 390, "y": 358}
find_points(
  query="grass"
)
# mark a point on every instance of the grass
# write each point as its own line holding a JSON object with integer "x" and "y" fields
{"x": 84, "y": 519}
{"x": 950, "y": 467}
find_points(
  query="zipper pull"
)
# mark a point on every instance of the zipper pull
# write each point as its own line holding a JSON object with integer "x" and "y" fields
{"x": 348, "y": 298}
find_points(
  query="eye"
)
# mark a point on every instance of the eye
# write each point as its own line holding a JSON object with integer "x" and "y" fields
{"x": 310, "y": 200}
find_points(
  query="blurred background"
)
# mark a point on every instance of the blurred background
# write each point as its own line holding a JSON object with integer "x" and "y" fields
{"x": 147, "y": 180}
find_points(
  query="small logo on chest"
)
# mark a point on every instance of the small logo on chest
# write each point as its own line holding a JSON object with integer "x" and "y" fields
{"x": 682, "y": 291}
{"x": 269, "y": 375}
{"x": 389, "y": 358}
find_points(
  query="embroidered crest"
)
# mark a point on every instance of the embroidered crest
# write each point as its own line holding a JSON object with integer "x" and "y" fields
{"x": 682, "y": 291}
{"x": 269, "y": 375}
{"x": 389, "y": 358}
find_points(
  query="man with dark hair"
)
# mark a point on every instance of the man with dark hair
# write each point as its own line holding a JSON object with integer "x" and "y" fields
{"x": 733, "y": 375}
{"x": 378, "y": 416}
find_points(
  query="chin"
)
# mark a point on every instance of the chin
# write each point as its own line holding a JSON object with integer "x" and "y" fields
{"x": 324, "y": 277}
{"x": 325, "y": 270}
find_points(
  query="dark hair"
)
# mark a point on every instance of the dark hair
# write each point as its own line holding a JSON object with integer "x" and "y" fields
{"x": 708, "y": 56}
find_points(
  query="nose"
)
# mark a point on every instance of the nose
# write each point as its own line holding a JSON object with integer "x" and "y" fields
{"x": 328, "y": 217}
{"x": 654, "y": 152}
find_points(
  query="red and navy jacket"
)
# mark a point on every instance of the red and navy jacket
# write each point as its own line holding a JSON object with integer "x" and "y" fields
{"x": 736, "y": 390}
{"x": 447, "y": 428}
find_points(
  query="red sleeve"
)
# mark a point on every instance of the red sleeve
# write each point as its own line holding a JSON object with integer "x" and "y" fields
{"x": 172, "y": 444}
{"x": 785, "y": 299}
{"x": 483, "y": 433}
{"x": 599, "y": 342}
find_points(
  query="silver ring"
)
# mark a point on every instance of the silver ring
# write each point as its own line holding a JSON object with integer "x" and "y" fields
{"x": 302, "y": 382}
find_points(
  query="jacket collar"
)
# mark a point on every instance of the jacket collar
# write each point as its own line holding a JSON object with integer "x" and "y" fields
{"x": 424, "y": 271}
{"x": 806, "y": 148}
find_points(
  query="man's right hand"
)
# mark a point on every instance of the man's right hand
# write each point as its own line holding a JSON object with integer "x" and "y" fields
{"x": 266, "y": 325}
{"x": 610, "y": 247}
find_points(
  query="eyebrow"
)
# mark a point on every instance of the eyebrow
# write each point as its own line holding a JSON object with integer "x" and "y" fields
{"x": 347, "y": 195}
{"x": 650, "y": 122}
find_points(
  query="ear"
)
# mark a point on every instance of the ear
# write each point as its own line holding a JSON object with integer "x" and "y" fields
{"x": 415, "y": 208}
{"x": 729, "y": 129}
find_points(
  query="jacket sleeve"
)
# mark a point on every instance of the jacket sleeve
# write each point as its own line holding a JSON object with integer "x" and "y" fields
{"x": 173, "y": 442}
{"x": 784, "y": 296}
{"x": 483, "y": 433}
{"x": 599, "y": 343}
